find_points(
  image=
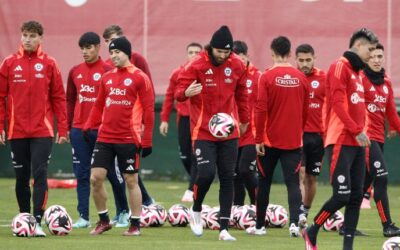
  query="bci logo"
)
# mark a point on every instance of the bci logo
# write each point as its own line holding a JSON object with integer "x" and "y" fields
{"x": 117, "y": 91}
{"x": 87, "y": 88}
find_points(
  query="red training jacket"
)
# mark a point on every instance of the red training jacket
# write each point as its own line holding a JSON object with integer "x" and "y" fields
{"x": 282, "y": 106}
{"x": 125, "y": 102}
{"x": 224, "y": 86}
{"x": 316, "y": 83}
{"x": 82, "y": 89}
{"x": 34, "y": 90}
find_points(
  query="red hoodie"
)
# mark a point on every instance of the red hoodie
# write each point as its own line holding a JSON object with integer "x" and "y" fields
{"x": 82, "y": 89}
{"x": 125, "y": 102}
{"x": 224, "y": 86}
{"x": 33, "y": 87}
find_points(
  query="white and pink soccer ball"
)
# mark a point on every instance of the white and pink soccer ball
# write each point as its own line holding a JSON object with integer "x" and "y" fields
{"x": 245, "y": 217}
{"x": 58, "y": 220}
{"x": 392, "y": 244}
{"x": 277, "y": 215}
{"x": 159, "y": 215}
{"x": 23, "y": 225}
{"x": 178, "y": 215}
{"x": 335, "y": 222}
{"x": 213, "y": 218}
{"x": 221, "y": 125}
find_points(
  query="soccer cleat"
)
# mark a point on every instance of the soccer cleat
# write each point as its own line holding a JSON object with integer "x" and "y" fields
{"x": 294, "y": 230}
{"x": 123, "y": 220}
{"x": 187, "y": 196}
{"x": 195, "y": 223}
{"x": 255, "y": 231}
{"x": 303, "y": 221}
{"x": 39, "y": 231}
{"x": 132, "y": 231}
{"x": 391, "y": 231}
{"x": 356, "y": 233}
{"x": 365, "y": 204}
{"x": 81, "y": 223}
{"x": 101, "y": 227}
{"x": 225, "y": 236}
{"x": 114, "y": 220}
{"x": 309, "y": 245}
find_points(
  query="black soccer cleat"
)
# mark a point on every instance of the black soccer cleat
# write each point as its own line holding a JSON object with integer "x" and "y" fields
{"x": 391, "y": 231}
{"x": 356, "y": 233}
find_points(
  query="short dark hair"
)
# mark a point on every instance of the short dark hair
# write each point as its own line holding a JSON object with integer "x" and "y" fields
{"x": 380, "y": 46}
{"x": 305, "y": 48}
{"x": 363, "y": 33}
{"x": 111, "y": 30}
{"x": 240, "y": 47}
{"x": 194, "y": 44}
{"x": 32, "y": 26}
{"x": 281, "y": 45}
{"x": 89, "y": 38}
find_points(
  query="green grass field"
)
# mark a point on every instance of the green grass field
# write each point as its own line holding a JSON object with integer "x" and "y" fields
{"x": 167, "y": 237}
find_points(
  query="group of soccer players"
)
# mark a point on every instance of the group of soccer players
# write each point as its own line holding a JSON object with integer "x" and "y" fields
{"x": 290, "y": 114}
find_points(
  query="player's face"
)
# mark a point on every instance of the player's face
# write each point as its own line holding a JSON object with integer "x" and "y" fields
{"x": 111, "y": 38}
{"x": 119, "y": 58}
{"x": 90, "y": 53}
{"x": 377, "y": 60}
{"x": 30, "y": 40}
{"x": 305, "y": 62}
{"x": 245, "y": 58}
{"x": 220, "y": 55}
{"x": 192, "y": 51}
{"x": 364, "y": 50}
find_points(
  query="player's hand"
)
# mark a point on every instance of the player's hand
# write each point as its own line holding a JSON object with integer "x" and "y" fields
{"x": 164, "y": 128}
{"x": 243, "y": 127}
{"x": 260, "y": 149}
{"x": 61, "y": 139}
{"x": 193, "y": 89}
{"x": 3, "y": 138}
{"x": 363, "y": 140}
{"x": 391, "y": 134}
{"x": 146, "y": 151}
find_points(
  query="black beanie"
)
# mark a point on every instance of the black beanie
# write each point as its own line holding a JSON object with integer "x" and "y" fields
{"x": 222, "y": 38}
{"x": 89, "y": 38}
{"x": 121, "y": 44}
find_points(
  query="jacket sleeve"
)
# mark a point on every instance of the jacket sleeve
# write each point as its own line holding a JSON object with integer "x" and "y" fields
{"x": 186, "y": 76}
{"x": 58, "y": 99}
{"x": 97, "y": 109}
{"x": 338, "y": 100}
{"x": 141, "y": 63}
{"x": 306, "y": 102}
{"x": 261, "y": 109}
{"x": 242, "y": 99}
{"x": 391, "y": 112}
{"x": 169, "y": 97}
{"x": 146, "y": 96}
{"x": 3, "y": 93}
{"x": 71, "y": 98}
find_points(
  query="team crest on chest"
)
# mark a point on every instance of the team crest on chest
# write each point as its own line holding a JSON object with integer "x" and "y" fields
{"x": 314, "y": 84}
{"x": 128, "y": 81}
{"x": 38, "y": 66}
{"x": 249, "y": 83}
{"x": 228, "y": 71}
{"x": 385, "y": 89}
{"x": 96, "y": 76}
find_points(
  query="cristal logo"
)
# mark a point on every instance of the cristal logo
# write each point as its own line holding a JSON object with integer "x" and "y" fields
{"x": 87, "y": 88}
{"x": 117, "y": 91}
{"x": 287, "y": 81}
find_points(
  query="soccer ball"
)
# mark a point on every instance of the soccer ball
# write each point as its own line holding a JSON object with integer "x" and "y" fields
{"x": 178, "y": 215}
{"x": 213, "y": 219}
{"x": 51, "y": 212}
{"x": 221, "y": 125}
{"x": 232, "y": 219}
{"x": 60, "y": 223}
{"x": 204, "y": 212}
{"x": 159, "y": 215}
{"x": 392, "y": 244}
{"x": 245, "y": 217}
{"x": 23, "y": 225}
{"x": 146, "y": 216}
{"x": 278, "y": 215}
{"x": 335, "y": 222}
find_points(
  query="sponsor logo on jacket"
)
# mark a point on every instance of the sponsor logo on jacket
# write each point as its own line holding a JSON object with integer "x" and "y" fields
{"x": 287, "y": 81}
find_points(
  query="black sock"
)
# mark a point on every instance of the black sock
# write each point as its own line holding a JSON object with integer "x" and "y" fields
{"x": 223, "y": 224}
{"x": 348, "y": 242}
{"x": 38, "y": 219}
{"x": 135, "y": 221}
{"x": 104, "y": 216}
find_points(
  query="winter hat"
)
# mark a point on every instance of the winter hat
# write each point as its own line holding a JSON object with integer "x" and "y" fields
{"x": 121, "y": 44}
{"x": 89, "y": 38}
{"x": 222, "y": 38}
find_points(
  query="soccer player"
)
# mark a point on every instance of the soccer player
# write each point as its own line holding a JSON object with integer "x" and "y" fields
{"x": 246, "y": 169}
{"x": 313, "y": 145}
{"x": 182, "y": 108}
{"x": 110, "y": 33}
{"x": 345, "y": 140}
{"x": 125, "y": 102}
{"x": 214, "y": 82}
{"x": 379, "y": 102}
{"x": 31, "y": 89}
{"x": 82, "y": 89}
{"x": 281, "y": 113}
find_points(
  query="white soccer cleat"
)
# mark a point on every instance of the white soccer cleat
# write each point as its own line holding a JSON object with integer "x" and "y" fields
{"x": 81, "y": 223}
{"x": 39, "y": 231}
{"x": 195, "y": 223}
{"x": 187, "y": 196}
{"x": 303, "y": 221}
{"x": 294, "y": 230}
{"x": 225, "y": 236}
{"x": 255, "y": 231}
